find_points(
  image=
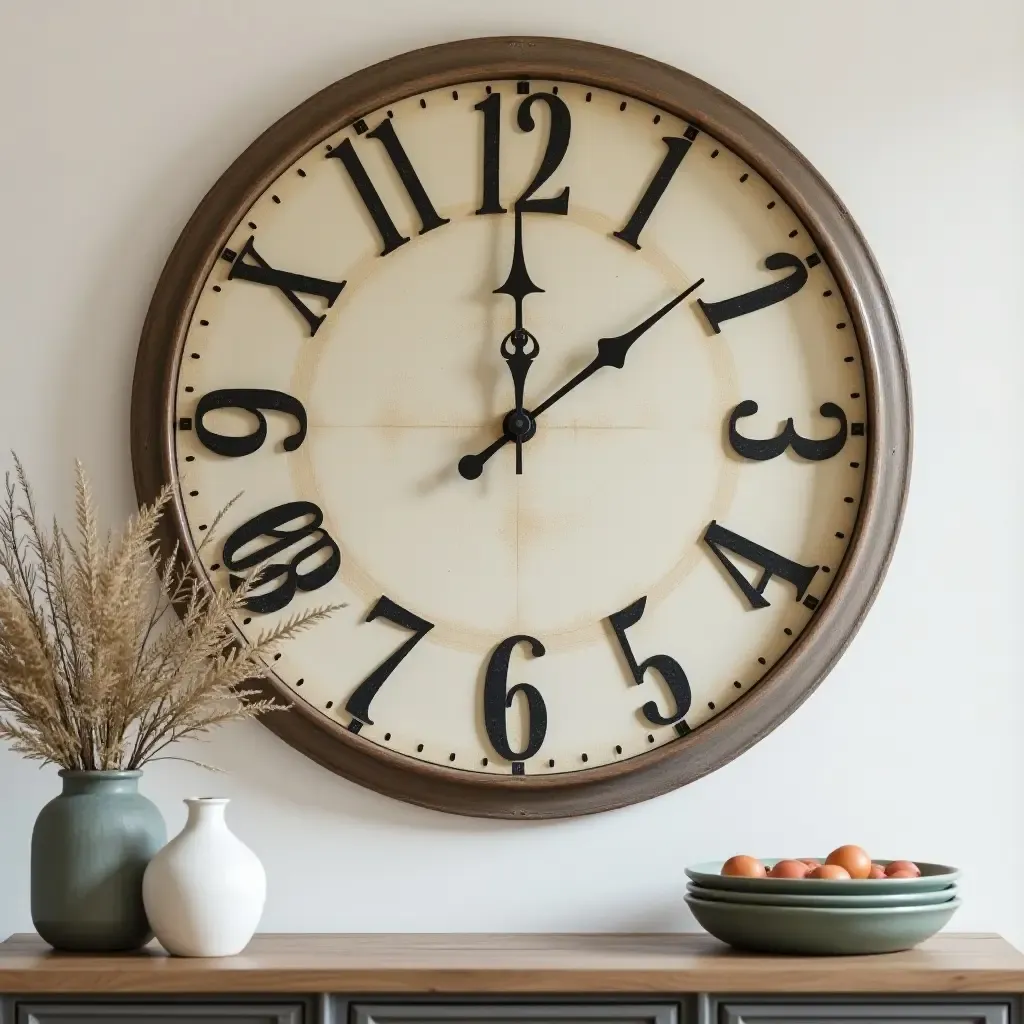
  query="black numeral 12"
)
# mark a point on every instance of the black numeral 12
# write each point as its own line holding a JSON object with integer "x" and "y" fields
{"x": 554, "y": 152}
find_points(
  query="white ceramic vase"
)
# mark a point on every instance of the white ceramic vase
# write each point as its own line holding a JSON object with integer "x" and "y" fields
{"x": 204, "y": 891}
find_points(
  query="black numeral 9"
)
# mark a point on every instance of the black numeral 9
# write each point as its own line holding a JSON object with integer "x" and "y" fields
{"x": 253, "y": 401}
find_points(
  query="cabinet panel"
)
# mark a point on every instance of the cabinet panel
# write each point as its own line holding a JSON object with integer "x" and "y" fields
{"x": 827, "y": 1011}
{"x": 498, "y": 1013}
{"x": 166, "y": 1011}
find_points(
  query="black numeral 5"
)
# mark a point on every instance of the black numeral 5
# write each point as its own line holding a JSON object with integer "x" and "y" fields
{"x": 668, "y": 668}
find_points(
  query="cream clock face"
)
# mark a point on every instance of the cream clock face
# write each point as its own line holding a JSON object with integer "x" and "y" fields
{"x": 555, "y": 393}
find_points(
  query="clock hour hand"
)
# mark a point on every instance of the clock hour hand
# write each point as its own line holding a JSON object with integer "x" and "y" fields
{"x": 519, "y": 347}
{"x": 610, "y": 352}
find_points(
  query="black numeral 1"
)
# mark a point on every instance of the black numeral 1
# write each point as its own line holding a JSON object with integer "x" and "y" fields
{"x": 358, "y": 705}
{"x": 491, "y": 109}
{"x": 391, "y": 238}
{"x": 677, "y": 149}
{"x": 285, "y": 281}
{"x": 668, "y": 668}
{"x": 751, "y": 302}
{"x": 720, "y": 540}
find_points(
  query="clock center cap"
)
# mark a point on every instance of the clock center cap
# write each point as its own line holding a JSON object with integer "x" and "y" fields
{"x": 519, "y": 425}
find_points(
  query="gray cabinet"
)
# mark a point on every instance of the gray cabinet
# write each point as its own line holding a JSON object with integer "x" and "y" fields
{"x": 512, "y": 1013}
{"x": 168, "y": 1011}
{"x": 826, "y": 1010}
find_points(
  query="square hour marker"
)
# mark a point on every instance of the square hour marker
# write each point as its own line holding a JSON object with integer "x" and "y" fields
{"x": 518, "y": 768}
{"x": 185, "y": 423}
{"x": 691, "y": 133}
{"x": 857, "y": 429}
{"x": 810, "y": 602}
{"x": 682, "y": 728}
{"x": 355, "y": 725}
{"x": 813, "y": 260}
{"x": 523, "y": 88}
{"x": 360, "y": 127}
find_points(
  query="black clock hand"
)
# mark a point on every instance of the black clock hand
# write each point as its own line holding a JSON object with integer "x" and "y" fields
{"x": 610, "y": 352}
{"x": 519, "y": 348}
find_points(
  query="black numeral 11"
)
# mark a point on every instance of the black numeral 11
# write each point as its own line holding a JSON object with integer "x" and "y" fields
{"x": 391, "y": 238}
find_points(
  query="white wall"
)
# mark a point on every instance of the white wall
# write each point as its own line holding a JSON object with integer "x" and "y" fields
{"x": 116, "y": 116}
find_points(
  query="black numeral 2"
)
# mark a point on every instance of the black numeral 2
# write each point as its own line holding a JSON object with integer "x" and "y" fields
{"x": 290, "y": 285}
{"x": 773, "y": 447}
{"x": 668, "y": 668}
{"x": 720, "y": 540}
{"x": 677, "y": 149}
{"x": 391, "y": 238}
{"x": 554, "y": 152}
{"x": 750, "y": 302}
{"x": 271, "y": 525}
{"x": 358, "y": 705}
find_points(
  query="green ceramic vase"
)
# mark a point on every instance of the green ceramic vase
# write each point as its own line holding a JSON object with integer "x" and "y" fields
{"x": 90, "y": 847}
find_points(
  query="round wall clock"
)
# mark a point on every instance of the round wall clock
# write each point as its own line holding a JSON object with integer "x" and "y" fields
{"x": 572, "y": 380}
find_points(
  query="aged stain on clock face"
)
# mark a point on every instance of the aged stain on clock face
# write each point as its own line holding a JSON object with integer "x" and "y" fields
{"x": 556, "y": 393}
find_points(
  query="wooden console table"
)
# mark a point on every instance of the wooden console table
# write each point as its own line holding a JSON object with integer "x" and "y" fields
{"x": 513, "y": 979}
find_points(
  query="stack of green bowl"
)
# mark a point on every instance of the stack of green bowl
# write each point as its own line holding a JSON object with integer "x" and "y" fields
{"x": 819, "y": 916}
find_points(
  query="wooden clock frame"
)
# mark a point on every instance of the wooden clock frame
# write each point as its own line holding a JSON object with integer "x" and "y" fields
{"x": 814, "y": 653}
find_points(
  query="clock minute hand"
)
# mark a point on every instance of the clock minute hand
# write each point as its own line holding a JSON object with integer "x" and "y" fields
{"x": 613, "y": 351}
{"x": 610, "y": 352}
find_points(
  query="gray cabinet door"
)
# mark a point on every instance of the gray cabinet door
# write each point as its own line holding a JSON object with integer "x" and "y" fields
{"x": 857, "y": 1011}
{"x": 512, "y": 1013}
{"x": 167, "y": 1011}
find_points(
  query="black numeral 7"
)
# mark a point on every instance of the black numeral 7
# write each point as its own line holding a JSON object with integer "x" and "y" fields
{"x": 358, "y": 705}
{"x": 668, "y": 668}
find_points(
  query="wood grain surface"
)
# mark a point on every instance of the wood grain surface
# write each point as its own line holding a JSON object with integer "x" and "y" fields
{"x": 379, "y": 964}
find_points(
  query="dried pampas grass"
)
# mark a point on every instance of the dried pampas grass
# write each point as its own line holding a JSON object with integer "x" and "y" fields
{"x": 94, "y": 674}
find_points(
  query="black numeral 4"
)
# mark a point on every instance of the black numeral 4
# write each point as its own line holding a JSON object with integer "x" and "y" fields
{"x": 720, "y": 540}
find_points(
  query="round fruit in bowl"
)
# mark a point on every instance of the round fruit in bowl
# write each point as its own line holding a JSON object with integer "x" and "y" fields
{"x": 742, "y": 866}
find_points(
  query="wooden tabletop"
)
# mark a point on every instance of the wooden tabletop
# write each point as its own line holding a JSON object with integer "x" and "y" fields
{"x": 378, "y": 964}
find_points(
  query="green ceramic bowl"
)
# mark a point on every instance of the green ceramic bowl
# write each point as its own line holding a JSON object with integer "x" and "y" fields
{"x": 933, "y": 877}
{"x": 806, "y": 899}
{"x": 820, "y": 931}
